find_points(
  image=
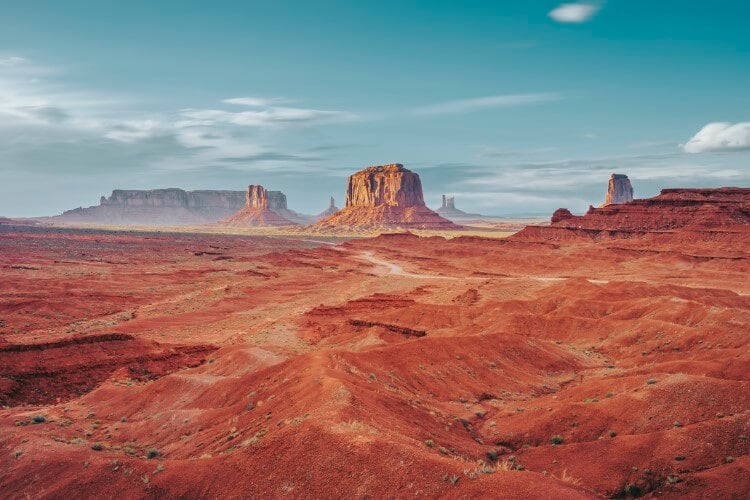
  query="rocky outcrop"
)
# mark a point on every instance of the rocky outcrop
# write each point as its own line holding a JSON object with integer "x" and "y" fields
{"x": 449, "y": 202}
{"x": 391, "y": 185}
{"x": 385, "y": 196}
{"x": 561, "y": 214}
{"x": 619, "y": 190}
{"x": 157, "y": 207}
{"x": 697, "y": 210}
{"x": 256, "y": 212}
{"x": 332, "y": 209}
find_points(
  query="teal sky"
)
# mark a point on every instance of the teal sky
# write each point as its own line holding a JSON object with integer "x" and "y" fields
{"x": 514, "y": 107}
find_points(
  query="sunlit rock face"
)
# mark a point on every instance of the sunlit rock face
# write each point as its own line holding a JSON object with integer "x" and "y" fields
{"x": 391, "y": 185}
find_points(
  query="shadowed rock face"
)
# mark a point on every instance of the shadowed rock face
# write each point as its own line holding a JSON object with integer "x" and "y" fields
{"x": 173, "y": 197}
{"x": 170, "y": 206}
{"x": 391, "y": 185}
{"x": 619, "y": 190}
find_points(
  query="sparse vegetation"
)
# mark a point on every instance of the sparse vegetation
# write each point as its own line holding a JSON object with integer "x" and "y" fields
{"x": 152, "y": 453}
{"x": 97, "y": 447}
{"x": 39, "y": 419}
{"x": 651, "y": 381}
{"x": 557, "y": 439}
{"x": 429, "y": 443}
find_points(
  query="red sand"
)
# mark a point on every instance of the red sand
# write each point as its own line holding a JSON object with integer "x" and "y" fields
{"x": 264, "y": 367}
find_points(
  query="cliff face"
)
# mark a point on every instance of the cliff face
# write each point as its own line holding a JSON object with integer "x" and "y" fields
{"x": 256, "y": 197}
{"x": 385, "y": 196}
{"x": 158, "y": 207}
{"x": 391, "y": 185}
{"x": 709, "y": 211}
{"x": 619, "y": 190}
{"x": 173, "y": 197}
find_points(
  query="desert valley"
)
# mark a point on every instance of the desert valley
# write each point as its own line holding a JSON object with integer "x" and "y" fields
{"x": 335, "y": 249}
{"x": 597, "y": 355}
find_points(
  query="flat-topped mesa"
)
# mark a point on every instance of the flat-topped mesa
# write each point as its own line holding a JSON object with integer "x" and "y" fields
{"x": 390, "y": 184}
{"x": 619, "y": 190}
{"x": 385, "y": 197}
{"x": 170, "y": 206}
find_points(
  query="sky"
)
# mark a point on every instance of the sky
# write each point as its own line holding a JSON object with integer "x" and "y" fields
{"x": 513, "y": 107}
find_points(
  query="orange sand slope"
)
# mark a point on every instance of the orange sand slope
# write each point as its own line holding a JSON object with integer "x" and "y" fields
{"x": 136, "y": 364}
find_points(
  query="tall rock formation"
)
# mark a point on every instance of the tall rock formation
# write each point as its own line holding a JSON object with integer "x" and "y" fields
{"x": 256, "y": 212}
{"x": 619, "y": 190}
{"x": 449, "y": 211}
{"x": 385, "y": 196}
{"x": 157, "y": 207}
{"x": 332, "y": 209}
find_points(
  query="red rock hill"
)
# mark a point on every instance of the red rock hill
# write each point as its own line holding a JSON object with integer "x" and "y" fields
{"x": 718, "y": 210}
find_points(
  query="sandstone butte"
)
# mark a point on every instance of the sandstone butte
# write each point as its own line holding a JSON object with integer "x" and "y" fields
{"x": 619, "y": 190}
{"x": 257, "y": 211}
{"x": 385, "y": 196}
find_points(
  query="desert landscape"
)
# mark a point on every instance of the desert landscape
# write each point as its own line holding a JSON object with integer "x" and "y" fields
{"x": 600, "y": 355}
{"x": 374, "y": 250}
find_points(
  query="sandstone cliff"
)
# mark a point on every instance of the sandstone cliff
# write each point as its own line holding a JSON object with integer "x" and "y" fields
{"x": 391, "y": 185}
{"x": 619, "y": 190}
{"x": 385, "y": 196}
{"x": 714, "y": 212}
{"x": 170, "y": 206}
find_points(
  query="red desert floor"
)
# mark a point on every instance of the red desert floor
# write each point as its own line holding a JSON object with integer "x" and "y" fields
{"x": 143, "y": 365}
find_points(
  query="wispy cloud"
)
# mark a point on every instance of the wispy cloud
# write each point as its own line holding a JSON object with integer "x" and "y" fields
{"x": 37, "y": 110}
{"x": 477, "y": 103}
{"x": 720, "y": 136}
{"x": 574, "y": 12}
{"x": 257, "y": 102}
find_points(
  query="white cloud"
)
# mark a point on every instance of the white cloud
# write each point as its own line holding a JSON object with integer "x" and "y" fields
{"x": 574, "y": 12}
{"x": 11, "y": 61}
{"x": 256, "y": 102}
{"x": 720, "y": 136}
{"x": 465, "y": 105}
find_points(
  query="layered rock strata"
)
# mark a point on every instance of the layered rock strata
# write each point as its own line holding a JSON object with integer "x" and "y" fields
{"x": 385, "y": 196}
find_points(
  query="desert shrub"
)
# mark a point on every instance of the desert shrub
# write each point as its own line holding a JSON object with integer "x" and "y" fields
{"x": 97, "y": 447}
{"x": 152, "y": 453}
{"x": 39, "y": 419}
{"x": 557, "y": 439}
{"x": 429, "y": 443}
{"x": 651, "y": 381}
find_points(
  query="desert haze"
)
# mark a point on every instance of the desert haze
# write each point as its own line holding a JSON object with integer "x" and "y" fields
{"x": 374, "y": 250}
